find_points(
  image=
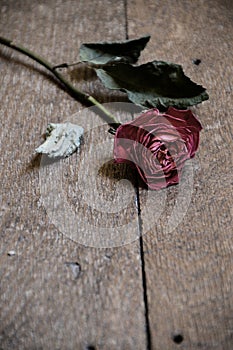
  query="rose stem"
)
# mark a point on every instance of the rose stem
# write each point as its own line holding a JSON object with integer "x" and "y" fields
{"x": 109, "y": 118}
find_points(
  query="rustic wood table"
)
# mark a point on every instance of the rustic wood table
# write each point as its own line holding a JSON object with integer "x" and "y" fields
{"x": 168, "y": 289}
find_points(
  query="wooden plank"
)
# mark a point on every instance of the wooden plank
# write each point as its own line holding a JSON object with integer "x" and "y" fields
{"x": 189, "y": 269}
{"x": 56, "y": 293}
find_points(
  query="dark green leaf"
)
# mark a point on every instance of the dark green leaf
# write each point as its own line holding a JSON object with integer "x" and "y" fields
{"x": 108, "y": 52}
{"x": 154, "y": 84}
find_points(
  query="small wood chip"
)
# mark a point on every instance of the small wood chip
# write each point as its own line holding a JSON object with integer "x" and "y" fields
{"x": 11, "y": 253}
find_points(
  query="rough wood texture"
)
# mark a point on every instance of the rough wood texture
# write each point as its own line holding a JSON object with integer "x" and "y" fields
{"x": 55, "y": 293}
{"x": 58, "y": 294}
{"x": 189, "y": 270}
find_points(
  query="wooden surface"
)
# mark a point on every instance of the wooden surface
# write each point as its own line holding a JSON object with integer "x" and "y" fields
{"x": 172, "y": 288}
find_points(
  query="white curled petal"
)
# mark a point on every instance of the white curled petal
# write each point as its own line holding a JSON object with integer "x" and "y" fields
{"x": 62, "y": 140}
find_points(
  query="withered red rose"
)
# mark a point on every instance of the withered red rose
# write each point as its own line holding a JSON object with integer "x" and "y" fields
{"x": 158, "y": 144}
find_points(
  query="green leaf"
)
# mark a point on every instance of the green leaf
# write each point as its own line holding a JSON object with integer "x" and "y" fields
{"x": 109, "y": 52}
{"x": 154, "y": 84}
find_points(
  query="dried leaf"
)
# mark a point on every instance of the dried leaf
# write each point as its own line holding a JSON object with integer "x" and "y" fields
{"x": 154, "y": 84}
{"x": 110, "y": 52}
{"x": 61, "y": 140}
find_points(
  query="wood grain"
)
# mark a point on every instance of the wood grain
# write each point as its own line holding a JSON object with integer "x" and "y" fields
{"x": 56, "y": 293}
{"x": 189, "y": 268}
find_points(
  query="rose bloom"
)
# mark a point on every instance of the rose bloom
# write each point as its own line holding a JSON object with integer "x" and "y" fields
{"x": 158, "y": 144}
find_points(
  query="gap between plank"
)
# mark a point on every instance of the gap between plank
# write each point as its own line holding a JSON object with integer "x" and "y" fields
{"x": 126, "y": 20}
{"x": 144, "y": 283}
